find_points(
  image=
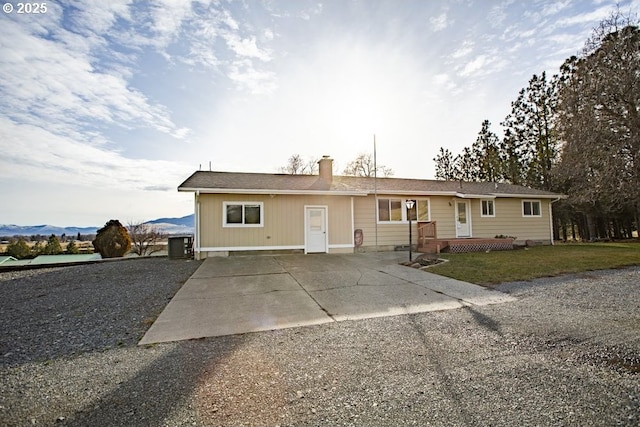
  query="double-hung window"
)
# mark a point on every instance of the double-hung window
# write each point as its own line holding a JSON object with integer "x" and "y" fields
{"x": 242, "y": 214}
{"x": 395, "y": 210}
{"x": 488, "y": 208}
{"x": 531, "y": 208}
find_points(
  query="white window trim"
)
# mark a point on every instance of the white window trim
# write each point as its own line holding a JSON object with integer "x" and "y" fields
{"x": 243, "y": 203}
{"x": 405, "y": 219}
{"x": 532, "y": 215}
{"x": 493, "y": 202}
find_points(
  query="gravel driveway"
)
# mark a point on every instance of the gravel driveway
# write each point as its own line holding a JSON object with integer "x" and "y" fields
{"x": 567, "y": 352}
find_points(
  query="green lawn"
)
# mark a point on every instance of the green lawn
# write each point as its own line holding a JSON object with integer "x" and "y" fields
{"x": 543, "y": 261}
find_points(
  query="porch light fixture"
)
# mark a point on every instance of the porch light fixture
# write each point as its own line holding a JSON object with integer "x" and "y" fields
{"x": 410, "y": 204}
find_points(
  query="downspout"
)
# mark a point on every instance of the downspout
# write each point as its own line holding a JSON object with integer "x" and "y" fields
{"x": 197, "y": 224}
{"x": 551, "y": 219}
{"x": 353, "y": 227}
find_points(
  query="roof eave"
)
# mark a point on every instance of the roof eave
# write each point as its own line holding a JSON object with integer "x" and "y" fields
{"x": 368, "y": 192}
{"x": 415, "y": 193}
{"x": 531, "y": 196}
{"x": 272, "y": 191}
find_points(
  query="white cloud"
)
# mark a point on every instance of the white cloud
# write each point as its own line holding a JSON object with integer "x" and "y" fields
{"x": 554, "y": 7}
{"x": 498, "y": 13}
{"x": 309, "y": 13}
{"x": 32, "y": 152}
{"x": 246, "y": 47}
{"x": 97, "y": 20}
{"x": 44, "y": 81}
{"x": 485, "y": 64}
{"x": 167, "y": 17}
{"x": 444, "y": 81}
{"x": 246, "y": 77}
{"x": 594, "y": 16}
{"x": 465, "y": 50}
{"x": 440, "y": 22}
{"x": 472, "y": 67}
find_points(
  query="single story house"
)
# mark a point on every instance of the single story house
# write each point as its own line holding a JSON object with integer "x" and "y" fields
{"x": 237, "y": 212}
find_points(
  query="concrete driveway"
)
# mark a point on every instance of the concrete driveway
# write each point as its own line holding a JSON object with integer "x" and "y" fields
{"x": 243, "y": 294}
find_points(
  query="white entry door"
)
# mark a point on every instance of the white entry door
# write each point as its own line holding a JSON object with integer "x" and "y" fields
{"x": 463, "y": 225}
{"x": 315, "y": 229}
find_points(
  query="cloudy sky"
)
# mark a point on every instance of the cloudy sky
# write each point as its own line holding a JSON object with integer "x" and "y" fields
{"x": 107, "y": 106}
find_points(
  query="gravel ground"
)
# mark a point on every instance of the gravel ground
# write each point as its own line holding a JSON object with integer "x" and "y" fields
{"x": 566, "y": 353}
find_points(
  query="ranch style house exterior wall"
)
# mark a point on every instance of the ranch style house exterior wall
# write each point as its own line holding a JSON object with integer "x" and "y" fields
{"x": 237, "y": 212}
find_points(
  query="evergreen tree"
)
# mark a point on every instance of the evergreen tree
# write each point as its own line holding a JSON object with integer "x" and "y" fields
{"x": 531, "y": 130}
{"x": 37, "y": 249}
{"x": 72, "y": 248}
{"x": 18, "y": 249}
{"x": 486, "y": 151}
{"x": 53, "y": 246}
{"x": 599, "y": 119}
{"x": 467, "y": 168}
{"x": 510, "y": 154}
{"x": 445, "y": 165}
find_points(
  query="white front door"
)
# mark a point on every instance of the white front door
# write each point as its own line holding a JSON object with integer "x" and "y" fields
{"x": 315, "y": 229}
{"x": 463, "y": 222}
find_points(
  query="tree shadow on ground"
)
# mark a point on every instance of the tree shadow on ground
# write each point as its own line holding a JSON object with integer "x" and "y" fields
{"x": 485, "y": 321}
{"x": 159, "y": 389}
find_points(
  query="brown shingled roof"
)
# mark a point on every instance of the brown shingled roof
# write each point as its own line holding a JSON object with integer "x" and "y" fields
{"x": 239, "y": 182}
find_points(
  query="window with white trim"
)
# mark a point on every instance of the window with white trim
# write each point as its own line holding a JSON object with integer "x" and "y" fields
{"x": 395, "y": 210}
{"x": 420, "y": 211}
{"x": 531, "y": 208}
{"x": 487, "y": 208}
{"x": 242, "y": 214}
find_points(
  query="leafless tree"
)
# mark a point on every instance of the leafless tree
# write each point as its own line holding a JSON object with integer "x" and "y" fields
{"x": 363, "y": 165}
{"x": 296, "y": 165}
{"x": 144, "y": 238}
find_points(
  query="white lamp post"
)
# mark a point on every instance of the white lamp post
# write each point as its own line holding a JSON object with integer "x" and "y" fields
{"x": 410, "y": 204}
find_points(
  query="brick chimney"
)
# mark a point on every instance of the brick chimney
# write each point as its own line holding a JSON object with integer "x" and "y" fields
{"x": 325, "y": 167}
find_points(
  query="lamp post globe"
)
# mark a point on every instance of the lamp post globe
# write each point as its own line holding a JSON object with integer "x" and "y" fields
{"x": 410, "y": 204}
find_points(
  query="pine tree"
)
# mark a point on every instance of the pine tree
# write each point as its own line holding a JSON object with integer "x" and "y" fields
{"x": 445, "y": 165}
{"x": 53, "y": 246}
{"x": 531, "y": 129}
{"x": 486, "y": 153}
{"x": 18, "y": 249}
{"x": 72, "y": 248}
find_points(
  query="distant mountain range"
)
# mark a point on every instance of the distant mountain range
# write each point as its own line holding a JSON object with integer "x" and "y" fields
{"x": 184, "y": 225}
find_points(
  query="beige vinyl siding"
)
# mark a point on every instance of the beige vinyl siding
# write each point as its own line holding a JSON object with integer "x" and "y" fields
{"x": 443, "y": 212}
{"x": 283, "y": 221}
{"x": 365, "y": 209}
{"x": 394, "y": 234}
{"x": 509, "y": 221}
{"x": 364, "y": 218}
